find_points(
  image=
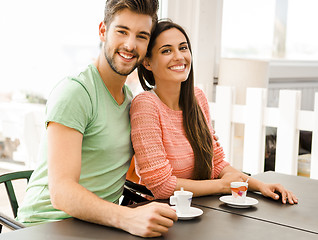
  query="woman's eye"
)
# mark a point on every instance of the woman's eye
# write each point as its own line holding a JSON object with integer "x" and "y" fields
{"x": 166, "y": 51}
{"x": 122, "y": 32}
{"x": 183, "y": 48}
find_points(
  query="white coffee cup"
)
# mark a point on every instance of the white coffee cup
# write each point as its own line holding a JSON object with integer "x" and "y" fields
{"x": 182, "y": 200}
{"x": 239, "y": 190}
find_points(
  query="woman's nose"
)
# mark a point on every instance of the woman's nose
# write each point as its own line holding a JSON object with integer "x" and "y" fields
{"x": 178, "y": 55}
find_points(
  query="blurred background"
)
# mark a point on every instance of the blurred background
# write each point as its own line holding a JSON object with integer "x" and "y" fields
{"x": 43, "y": 41}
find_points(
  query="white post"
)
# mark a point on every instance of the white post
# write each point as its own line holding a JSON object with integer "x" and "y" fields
{"x": 254, "y": 131}
{"x": 287, "y": 132}
{"x": 314, "y": 143}
{"x": 223, "y": 119}
{"x": 242, "y": 74}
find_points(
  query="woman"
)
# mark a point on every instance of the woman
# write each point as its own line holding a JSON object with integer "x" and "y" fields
{"x": 171, "y": 126}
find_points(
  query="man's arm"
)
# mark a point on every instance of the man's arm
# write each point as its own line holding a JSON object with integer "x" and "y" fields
{"x": 64, "y": 168}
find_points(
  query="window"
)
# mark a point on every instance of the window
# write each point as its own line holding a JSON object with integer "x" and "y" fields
{"x": 269, "y": 29}
{"x": 302, "y": 36}
{"x": 43, "y": 41}
{"x": 247, "y": 28}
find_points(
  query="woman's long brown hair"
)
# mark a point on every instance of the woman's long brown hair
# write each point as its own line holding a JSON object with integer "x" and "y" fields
{"x": 194, "y": 123}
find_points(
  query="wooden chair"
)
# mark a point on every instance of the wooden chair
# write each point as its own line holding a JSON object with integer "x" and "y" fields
{"x": 7, "y": 180}
{"x": 134, "y": 192}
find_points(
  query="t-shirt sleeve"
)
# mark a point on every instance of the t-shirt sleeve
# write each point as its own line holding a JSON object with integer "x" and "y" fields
{"x": 218, "y": 154}
{"x": 70, "y": 105}
{"x": 152, "y": 164}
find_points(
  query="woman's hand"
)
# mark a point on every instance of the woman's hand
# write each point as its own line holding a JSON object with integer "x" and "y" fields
{"x": 271, "y": 190}
{"x": 229, "y": 177}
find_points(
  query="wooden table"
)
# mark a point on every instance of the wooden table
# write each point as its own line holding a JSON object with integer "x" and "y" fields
{"x": 212, "y": 224}
{"x": 303, "y": 216}
{"x": 267, "y": 220}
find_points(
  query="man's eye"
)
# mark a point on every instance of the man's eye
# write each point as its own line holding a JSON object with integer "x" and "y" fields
{"x": 122, "y": 32}
{"x": 143, "y": 37}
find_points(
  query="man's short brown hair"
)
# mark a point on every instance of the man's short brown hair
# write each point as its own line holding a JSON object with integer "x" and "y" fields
{"x": 147, "y": 7}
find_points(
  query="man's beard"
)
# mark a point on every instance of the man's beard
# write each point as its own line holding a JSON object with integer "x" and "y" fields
{"x": 112, "y": 63}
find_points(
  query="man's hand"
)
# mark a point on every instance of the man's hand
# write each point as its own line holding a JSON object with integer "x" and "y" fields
{"x": 151, "y": 220}
{"x": 216, "y": 138}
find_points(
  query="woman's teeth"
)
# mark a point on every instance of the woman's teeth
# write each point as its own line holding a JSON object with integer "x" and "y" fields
{"x": 177, "y": 67}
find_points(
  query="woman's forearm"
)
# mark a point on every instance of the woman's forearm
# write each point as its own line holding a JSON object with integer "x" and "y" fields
{"x": 201, "y": 187}
{"x": 218, "y": 186}
{"x": 253, "y": 184}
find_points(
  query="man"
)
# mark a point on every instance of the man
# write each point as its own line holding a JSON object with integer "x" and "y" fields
{"x": 87, "y": 148}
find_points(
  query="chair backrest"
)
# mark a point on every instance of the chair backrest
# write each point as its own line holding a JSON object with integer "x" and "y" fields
{"x": 7, "y": 180}
{"x": 134, "y": 192}
{"x": 131, "y": 173}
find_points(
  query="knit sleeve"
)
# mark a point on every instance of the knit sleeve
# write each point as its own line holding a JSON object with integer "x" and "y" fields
{"x": 218, "y": 160}
{"x": 152, "y": 164}
{"x": 218, "y": 154}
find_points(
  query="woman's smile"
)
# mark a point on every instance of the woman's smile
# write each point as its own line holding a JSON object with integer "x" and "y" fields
{"x": 178, "y": 67}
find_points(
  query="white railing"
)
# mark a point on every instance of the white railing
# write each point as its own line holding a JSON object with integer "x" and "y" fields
{"x": 23, "y": 121}
{"x": 287, "y": 118}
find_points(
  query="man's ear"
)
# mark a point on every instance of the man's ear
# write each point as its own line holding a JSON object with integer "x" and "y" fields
{"x": 102, "y": 31}
{"x": 146, "y": 64}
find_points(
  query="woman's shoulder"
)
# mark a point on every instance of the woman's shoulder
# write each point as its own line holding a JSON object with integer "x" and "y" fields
{"x": 145, "y": 101}
{"x": 146, "y": 96}
{"x": 199, "y": 94}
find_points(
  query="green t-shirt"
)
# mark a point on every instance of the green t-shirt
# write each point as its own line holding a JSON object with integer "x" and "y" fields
{"x": 84, "y": 104}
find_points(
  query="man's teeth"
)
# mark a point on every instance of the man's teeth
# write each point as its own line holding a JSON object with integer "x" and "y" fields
{"x": 126, "y": 56}
{"x": 177, "y": 67}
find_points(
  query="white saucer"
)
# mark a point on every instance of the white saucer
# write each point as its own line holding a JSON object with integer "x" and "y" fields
{"x": 194, "y": 212}
{"x": 229, "y": 201}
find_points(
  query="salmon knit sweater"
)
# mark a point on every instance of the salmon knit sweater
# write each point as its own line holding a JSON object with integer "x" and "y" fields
{"x": 162, "y": 150}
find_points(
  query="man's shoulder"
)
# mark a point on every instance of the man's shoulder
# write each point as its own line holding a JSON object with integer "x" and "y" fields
{"x": 68, "y": 86}
{"x": 81, "y": 80}
{"x": 73, "y": 88}
{"x": 86, "y": 78}
{"x": 85, "y": 83}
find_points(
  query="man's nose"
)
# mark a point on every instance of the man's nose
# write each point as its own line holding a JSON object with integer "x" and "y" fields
{"x": 130, "y": 43}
